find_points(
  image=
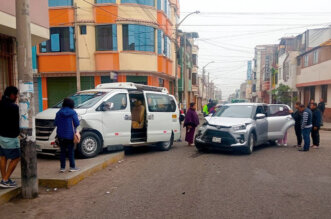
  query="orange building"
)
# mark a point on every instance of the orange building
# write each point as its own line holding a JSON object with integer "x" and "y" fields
{"x": 118, "y": 40}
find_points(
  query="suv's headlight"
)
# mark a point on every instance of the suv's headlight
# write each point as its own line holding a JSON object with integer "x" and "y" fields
{"x": 239, "y": 127}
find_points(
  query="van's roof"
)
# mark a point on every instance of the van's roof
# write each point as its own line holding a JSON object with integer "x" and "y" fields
{"x": 132, "y": 86}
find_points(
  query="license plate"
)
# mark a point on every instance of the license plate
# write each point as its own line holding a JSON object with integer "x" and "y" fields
{"x": 216, "y": 140}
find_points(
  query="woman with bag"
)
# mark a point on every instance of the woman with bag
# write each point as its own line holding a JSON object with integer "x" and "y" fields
{"x": 191, "y": 122}
{"x": 66, "y": 121}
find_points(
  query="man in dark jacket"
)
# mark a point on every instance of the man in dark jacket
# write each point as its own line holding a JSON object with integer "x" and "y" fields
{"x": 297, "y": 118}
{"x": 9, "y": 132}
{"x": 316, "y": 121}
{"x": 306, "y": 125}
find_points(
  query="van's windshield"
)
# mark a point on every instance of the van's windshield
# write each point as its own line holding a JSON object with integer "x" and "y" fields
{"x": 84, "y": 100}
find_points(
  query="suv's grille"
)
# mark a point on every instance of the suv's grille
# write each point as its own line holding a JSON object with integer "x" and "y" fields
{"x": 44, "y": 129}
{"x": 227, "y": 138}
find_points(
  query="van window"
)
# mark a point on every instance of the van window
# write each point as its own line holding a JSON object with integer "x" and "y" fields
{"x": 160, "y": 103}
{"x": 119, "y": 100}
{"x": 278, "y": 110}
{"x": 84, "y": 100}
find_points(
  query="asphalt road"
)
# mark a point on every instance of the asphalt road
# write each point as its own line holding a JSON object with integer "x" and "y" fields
{"x": 273, "y": 182}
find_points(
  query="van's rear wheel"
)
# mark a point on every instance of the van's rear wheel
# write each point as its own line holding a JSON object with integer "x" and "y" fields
{"x": 89, "y": 146}
{"x": 166, "y": 146}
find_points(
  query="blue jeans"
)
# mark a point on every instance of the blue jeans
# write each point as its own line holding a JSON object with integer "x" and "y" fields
{"x": 306, "y": 138}
{"x": 67, "y": 145}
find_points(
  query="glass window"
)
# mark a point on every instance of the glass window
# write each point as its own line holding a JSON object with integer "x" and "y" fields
{"x": 105, "y": 1}
{"x": 306, "y": 57}
{"x": 278, "y": 110}
{"x": 161, "y": 103}
{"x": 106, "y": 37}
{"x": 138, "y": 38}
{"x": 55, "y": 3}
{"x": 119, "y": 102}
{"x": 82, "y": 29}
{"x": 164, "y": 44}
{"x": 235, "y": 111}
{"x": 141, "y": 2}
{"x": 160, "y": 43}
{"x": 61, "y": 40}
{"x": 315, "y": 56}
{"x": 84, "y": 100}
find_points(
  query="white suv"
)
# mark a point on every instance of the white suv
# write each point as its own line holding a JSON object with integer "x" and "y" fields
{"x": 116, "y": 114}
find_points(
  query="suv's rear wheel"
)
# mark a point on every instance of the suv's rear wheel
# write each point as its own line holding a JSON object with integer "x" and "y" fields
{"x": 166, "y": 146}
{"x": 89, "y": 146}
{"x": 251, "y": 143}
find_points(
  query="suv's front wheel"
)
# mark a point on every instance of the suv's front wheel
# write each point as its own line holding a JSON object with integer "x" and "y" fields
{"x": 89, "y": 146}
{"x": 250, "y": 144}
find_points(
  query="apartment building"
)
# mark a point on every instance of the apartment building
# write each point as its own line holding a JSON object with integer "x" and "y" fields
{"x": 117, "y": 41}
{"x": 39, "y": 33}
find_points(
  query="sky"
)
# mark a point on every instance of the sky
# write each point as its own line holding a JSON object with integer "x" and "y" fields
{"x": 229, "y": 31}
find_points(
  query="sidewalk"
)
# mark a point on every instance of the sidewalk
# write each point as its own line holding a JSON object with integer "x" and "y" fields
{"x": 49, "y": 175}
{"x": 326, "y": 126}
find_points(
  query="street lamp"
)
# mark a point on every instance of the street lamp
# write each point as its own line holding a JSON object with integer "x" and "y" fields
{"x": 203, "y": 78}
{"x": 177, "y": 51}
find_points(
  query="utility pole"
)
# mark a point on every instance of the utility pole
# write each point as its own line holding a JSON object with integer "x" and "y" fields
{"x": 26, "y": 102}
{"x": 77, "y": 48}
{"x": 185, "y": 76}
{"x": 203, "y": 84}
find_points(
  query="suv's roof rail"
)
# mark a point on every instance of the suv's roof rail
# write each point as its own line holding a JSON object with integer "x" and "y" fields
{"x": 132, "y": 86}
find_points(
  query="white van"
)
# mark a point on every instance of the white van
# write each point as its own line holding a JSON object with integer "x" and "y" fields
{"x": 114, "y": 114}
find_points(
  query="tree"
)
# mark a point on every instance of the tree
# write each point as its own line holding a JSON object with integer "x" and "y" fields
{"x": 283, "y": 94}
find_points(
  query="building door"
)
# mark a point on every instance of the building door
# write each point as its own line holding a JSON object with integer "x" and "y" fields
{"x": 59, "y": 88}
{"x": 6, "y": 63}
{"x": 306, "y": 95}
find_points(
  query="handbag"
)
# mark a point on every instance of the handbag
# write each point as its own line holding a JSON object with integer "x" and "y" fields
{"x": 77, "y": 136}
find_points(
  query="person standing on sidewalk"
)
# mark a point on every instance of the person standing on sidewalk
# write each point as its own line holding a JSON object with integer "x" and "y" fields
{"x": 9, "y": 132}
{"x": 316, "y": 121}
{"x": 306, "y": 125}
{"x": 191, "y": 122}
{"x": 321, "y": 107}
{"x": 66, "y": 121}
{"x": 297, "y": 127}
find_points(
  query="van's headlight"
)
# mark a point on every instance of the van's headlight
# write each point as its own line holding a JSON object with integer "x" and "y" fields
{"x": 239, "y": 127}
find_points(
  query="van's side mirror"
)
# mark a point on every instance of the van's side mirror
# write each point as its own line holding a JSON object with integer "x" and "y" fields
{"x": 107, "y": 106}
{"x": 260, "y": 116}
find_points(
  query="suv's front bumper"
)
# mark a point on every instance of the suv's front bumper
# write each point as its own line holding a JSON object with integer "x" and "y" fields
{"x": 229, "y": 140}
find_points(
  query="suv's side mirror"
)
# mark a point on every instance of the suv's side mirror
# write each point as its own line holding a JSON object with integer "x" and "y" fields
{"x": 107, "y": 106}
{"x": 260, "y": 116}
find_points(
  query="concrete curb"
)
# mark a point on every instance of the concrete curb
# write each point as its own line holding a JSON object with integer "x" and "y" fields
{"x": 68, "y": 182}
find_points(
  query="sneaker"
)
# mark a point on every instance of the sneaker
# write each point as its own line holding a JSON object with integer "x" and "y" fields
{"x": 62, "y": 170}
{"x": 303, "y": 150}
{"x": 12, "y": 182}
{"x": 75, "y": 169}
{"x": 7, "y": 184}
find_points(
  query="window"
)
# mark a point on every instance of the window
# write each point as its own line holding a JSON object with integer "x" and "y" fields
{"x": 235, "y": 111}
{"x": 138, "y": 38}
{"x": 82, "y": 29}
{"x": 161, "y": 82}
{"x": 325, "y": 93}
{"x": 141, "y": 2}
{"x": 306, "y": 62}
{"x": 195, "y": 59}
{"x": 61, "y": 40}
{"x": 278, "y": 110}
{"x": 161, "y": 103}
{"x": 260, "y": 110}
{"x": 105, "y": 1}
{"x": 106, "y": 37}
{"x": 315, "y": 56}
{"x": 164, "y": 5}
{"x": 312, "y": 92}
{"x": 55, "y": 3}
{"x": 164, "y": 44}
{"x": 119, "y": 102}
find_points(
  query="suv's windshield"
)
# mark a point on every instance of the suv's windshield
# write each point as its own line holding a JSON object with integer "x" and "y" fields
{"x": 84, "y": 100}
{"x": 235, "y": 111}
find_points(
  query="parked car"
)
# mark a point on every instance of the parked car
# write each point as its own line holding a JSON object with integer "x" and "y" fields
{"x": 116, "y": 114}
{"x": 243, "y": 126}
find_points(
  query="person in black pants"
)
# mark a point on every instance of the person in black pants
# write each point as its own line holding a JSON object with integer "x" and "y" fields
{"x": 297, "y": 118}
{"x": 317, "y": 116}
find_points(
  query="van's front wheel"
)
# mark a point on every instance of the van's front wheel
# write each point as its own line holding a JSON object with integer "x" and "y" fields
{"x": 89, "y": 145}
{"x": 166, "y": 146}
